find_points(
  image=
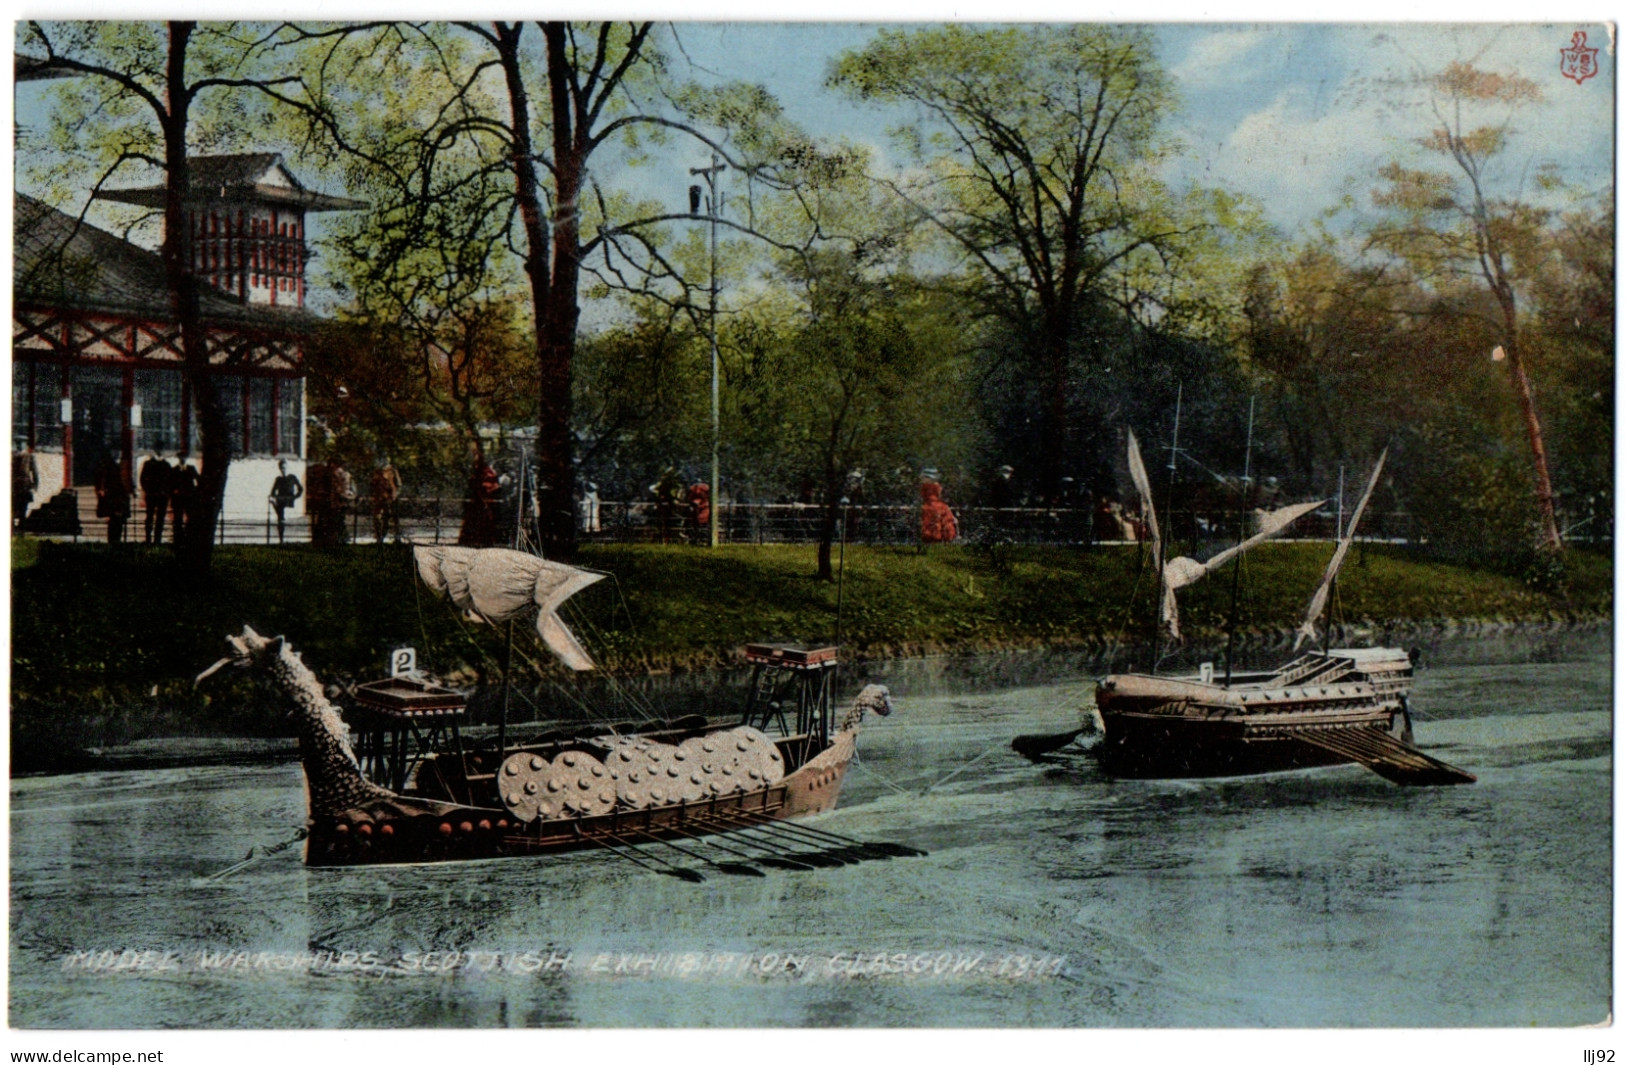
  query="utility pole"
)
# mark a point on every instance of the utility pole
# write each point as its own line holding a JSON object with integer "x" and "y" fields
{"x": 713, "y": 208}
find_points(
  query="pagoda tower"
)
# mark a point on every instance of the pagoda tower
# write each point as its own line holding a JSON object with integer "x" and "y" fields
{"x": 245, "y": 225}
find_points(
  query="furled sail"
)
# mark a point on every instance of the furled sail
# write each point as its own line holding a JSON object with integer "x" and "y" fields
{"x": 1183, "y": 571}
{"x": 1142, "y": 485}
{"x": 496, "y": 585}
{"x": 1317, "y": 602}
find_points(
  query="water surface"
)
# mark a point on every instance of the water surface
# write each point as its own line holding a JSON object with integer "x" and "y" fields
{"x": 1051, "y": 896}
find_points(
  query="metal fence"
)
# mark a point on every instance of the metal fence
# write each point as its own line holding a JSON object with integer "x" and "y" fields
{"x": 425, "y": 519}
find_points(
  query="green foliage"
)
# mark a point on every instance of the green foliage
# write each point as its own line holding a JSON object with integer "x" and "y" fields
{"x": 1572, "y": 355}
{"x": 1040, "y": 147}
{"x": 1023, "y": 293}
{"x": 1546, "y": 572}
{"x": 24, "y": 551}
{"x": 1468, "y": 495}
{"x": 1457, "y": 237}
{"x": 642, "y": 403}
{"x": 375, "y": 390}
{"x": 866, "y": 375}
{"x": 1039, "y": 153}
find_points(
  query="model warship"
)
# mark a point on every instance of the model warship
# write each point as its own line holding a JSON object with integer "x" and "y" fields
{"x": 1325, "y": 707}
{"x": 413, "y": 789}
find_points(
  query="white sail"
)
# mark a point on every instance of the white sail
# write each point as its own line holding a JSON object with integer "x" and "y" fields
{"x": 1142, "y": 485}
{"x": 1317, "y": 602}
{"x": 496, "y": 585}
{"x": 1184, "y": 571}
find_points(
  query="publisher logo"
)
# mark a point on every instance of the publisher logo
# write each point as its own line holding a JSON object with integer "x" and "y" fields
{"x": 1578, "y": 61}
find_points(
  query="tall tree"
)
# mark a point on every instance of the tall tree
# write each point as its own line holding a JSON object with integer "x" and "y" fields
{"x": 858, "y": 371}
{"x": 1450, "y": 226}
{"x": 1574, "y": 300}
{"x": 136, "y": 90}
{"x": 1039, "y": 148}
{"x": 549, "y": 107}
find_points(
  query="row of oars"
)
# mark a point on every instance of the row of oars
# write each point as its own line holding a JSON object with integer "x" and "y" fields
{"x": 752, "y": 841}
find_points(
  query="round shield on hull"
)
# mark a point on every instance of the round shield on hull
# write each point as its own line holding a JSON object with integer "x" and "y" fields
{"x": 522, "y": 783}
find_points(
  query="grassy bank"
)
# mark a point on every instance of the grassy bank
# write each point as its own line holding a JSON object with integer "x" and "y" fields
{"x": 104, "y": 644}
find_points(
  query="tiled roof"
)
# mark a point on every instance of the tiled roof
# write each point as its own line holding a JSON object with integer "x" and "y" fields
{"x": 238, "y": 177}
{"x": 244, "y": 169}
{"x": 59, "y": 260}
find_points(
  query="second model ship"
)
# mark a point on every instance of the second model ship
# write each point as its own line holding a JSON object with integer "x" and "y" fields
{"x": 1326, "y": 707}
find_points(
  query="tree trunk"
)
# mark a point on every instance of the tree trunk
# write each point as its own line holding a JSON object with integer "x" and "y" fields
{"x": 553, "y": 284}
{"x": 555, "y": 470}
{"x": 196, "y": 546}
{"x": 1551, "y": 539}
{"x": 526, "y": 192}
{"x": 554, "y": 441}
{"x": 1053, "y": 433}
{"x": 827, "y": 524}
{"x": 1492, "y": 264}
{"x": 552, "y": 263}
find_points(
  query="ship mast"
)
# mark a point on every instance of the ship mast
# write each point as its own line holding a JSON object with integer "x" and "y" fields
{"x": 1243, "y": 496}
{"x": 507, "y": 647}
{"x": 1317, "y": 602}
{"x": 1162, "y": 548}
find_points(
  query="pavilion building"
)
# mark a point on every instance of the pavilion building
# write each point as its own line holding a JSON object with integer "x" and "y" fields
{"x": 96, "y": 352}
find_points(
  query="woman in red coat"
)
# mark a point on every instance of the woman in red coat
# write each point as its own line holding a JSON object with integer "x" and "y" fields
{"x": 937, "y": 524}
{"x": 699, "y": 511}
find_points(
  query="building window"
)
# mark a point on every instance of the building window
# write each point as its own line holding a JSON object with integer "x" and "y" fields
{"x": 22, "y": 398}
{"x": 158, "y": 394}
{"x": 290, "y": 416}
{"x": 47, "y": 405}
{"x": 194, "y": 428}
{"x": 36, "y": 395}
{"x": 230, "y": 390}
{"x": 260, "y": 400}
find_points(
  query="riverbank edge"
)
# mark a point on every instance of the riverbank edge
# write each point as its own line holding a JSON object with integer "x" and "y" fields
{"x": 189, "y": 751}
{"x": 1251, "y": 640}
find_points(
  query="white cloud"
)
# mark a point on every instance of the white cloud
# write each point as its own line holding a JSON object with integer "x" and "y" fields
{"x": 1294, "y": 157}
{"x": 1332, "y": 116}
{"x": 1222, "y": 58}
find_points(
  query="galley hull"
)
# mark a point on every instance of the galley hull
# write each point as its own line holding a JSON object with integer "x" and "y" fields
{"x": 1326, "y": 708}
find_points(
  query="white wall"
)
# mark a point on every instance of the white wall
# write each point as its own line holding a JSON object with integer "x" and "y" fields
{"x": 249, "y": 484}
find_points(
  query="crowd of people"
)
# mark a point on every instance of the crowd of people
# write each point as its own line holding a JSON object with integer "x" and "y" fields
{"x": 682, "y": 511}
{"x": 168, "y": 490}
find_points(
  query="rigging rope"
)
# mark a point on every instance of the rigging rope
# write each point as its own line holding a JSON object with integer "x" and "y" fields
{"x": 632, "y": 698}
{"x": 859, "y": 763}
{"x": 1116, "y": 641}
{"x": 999, "y": 746}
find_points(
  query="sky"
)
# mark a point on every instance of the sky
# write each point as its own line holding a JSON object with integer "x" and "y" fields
{"x": 1285, "y": 113}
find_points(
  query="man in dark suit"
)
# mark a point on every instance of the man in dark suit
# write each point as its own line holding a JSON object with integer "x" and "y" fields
{"x": 157, "y": 481}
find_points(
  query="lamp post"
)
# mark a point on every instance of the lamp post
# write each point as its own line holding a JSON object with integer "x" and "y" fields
{"x": 713, "y": 208}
